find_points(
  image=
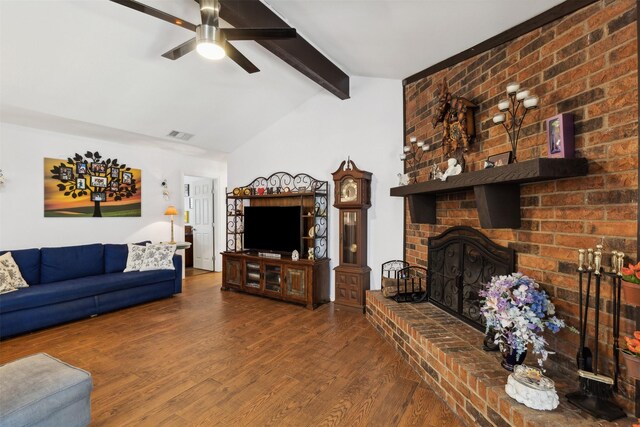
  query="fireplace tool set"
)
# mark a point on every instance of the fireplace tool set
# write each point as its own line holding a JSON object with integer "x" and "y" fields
{"x": 596, "y": 390}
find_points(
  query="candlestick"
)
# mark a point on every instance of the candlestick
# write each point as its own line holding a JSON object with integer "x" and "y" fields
{"x": 589, "y": 259}
{"x": 531, "y": 102}
{"x": 511, "y": 107}
{"x": 580, "y": 259}
{"x": 620, "y": 262}
{"x": 413, "y": 139}
{"x": 406, "y": 149}
{"x": 512, "y": 88}
{"x": 522, "y": 94}
{"x": 403, "y": 157}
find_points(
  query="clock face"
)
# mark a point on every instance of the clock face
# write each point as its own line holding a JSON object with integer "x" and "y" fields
{"x": 348, "y": 190}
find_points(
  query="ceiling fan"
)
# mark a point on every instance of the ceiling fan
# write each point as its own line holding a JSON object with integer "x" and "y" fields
{"x": 211, "y": 41}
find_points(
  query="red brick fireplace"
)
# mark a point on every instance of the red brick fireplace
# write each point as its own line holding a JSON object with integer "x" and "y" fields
{"x": 585, "y": 63}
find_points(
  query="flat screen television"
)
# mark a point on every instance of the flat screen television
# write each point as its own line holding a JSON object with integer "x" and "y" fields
{"x": 272, "y": 228}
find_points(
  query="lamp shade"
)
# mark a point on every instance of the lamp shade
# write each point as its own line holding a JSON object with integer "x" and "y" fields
{"x": 171, "y": 210}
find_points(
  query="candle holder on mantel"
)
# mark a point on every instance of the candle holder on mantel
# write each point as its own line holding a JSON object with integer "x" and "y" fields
{"x": 411, "y": 157}
{"x": 517, "y": 97}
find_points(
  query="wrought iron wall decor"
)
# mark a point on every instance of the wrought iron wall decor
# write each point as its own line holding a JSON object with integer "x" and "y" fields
{"x": 91, "y": 185}
{"x": 460, "y": 261}
{"x": 282, "y": 183}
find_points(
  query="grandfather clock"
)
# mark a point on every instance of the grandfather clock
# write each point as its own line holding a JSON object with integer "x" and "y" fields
{"x": 352, "y": 197}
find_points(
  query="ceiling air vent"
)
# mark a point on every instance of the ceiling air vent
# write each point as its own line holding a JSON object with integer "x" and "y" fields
{"x": 183, "y": 136}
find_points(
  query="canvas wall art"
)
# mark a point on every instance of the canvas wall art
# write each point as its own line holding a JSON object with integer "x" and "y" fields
{"x": 91, "y": 186}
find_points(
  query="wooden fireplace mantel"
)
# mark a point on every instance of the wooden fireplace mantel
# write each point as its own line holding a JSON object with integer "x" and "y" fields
{"x": 497, "y": 190}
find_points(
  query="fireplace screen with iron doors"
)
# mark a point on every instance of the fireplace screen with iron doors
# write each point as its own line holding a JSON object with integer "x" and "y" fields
{"x": 461, "y": 260}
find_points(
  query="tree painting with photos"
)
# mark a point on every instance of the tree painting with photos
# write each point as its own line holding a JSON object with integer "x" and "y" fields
{"x": 90, "y": 185}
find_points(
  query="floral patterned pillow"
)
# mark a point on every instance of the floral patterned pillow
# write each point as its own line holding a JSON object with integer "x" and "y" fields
{"x": 135, "y": 257}
{"x": 5, "y": 286}
{"x": 158, "y": 257}
{"x": 8, "y": 265}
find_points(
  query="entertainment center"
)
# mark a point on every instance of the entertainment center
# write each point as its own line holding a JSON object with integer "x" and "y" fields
{"x": 268, "y": 221}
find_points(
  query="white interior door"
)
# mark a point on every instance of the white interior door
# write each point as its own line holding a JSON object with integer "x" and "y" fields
{"x": 203, "y": 224}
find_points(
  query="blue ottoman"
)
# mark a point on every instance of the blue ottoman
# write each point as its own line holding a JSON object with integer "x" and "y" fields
{"x": 40, "y": 390}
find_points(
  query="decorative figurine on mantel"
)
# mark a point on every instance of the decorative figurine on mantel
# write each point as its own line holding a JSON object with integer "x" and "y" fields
{"x": 458, "y": 125}
{"x": 435, "y": 172}
{"x": 453, "y": 168}
{"x": 403, "y": 178}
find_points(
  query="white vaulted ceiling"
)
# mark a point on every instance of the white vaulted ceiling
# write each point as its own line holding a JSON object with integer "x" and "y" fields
{"x": 93, "y": 67}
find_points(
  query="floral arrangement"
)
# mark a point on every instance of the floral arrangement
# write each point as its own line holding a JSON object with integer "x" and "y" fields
{"x": 631, "y": 274}
{"x": 633, "y": 345}
{"x": 518, "y": 311}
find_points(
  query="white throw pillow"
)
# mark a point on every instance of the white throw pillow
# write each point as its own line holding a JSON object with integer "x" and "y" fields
{"x": 5, "y": 279}
{"x": 135, "y": 257}
{"x": 9, "y": 265}
{"x": 158, "y": 257}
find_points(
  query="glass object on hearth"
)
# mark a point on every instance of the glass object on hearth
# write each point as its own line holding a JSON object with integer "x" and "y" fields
{"x": 532, "y": 377}
{"x": 349, "y": 237}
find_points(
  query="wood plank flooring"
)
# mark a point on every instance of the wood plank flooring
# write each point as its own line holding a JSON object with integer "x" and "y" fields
{"x": 206, "y": 357}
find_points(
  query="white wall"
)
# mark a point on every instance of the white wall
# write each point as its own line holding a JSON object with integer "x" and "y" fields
{"x": 22, "y": 221}
{"x": 322, "y": 132}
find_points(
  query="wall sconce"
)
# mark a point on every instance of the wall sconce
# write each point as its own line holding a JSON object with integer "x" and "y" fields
{"x": 512, "y": 124}
{"x": 411, "y": 157}
{"x": 165, "y": 189}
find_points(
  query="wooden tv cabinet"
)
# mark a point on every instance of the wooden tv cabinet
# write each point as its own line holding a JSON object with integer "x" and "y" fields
{"x": 303, "y": 281}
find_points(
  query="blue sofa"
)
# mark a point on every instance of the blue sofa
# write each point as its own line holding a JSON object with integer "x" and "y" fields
{"x": 75, "y": 282}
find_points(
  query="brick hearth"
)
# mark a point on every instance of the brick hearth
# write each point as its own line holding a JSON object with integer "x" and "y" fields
{"x": 448, "y": 355}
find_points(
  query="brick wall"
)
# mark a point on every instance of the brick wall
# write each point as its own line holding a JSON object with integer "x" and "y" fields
{"x": 585, "y": 63}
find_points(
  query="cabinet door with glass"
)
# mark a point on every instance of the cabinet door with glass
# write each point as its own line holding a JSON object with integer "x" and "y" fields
{"x": 296, "y": 283}
{"x": 272, "y": 279}
{"x": 252, "y": 276}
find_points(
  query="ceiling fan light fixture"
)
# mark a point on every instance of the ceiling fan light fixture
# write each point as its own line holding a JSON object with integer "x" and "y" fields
{"x": 206, "y": 44}
{"x": 209, "y": 5}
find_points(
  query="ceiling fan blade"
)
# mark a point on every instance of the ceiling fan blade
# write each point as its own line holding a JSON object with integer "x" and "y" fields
{"x": 258, "y": 33}
{"x": 240, "y": 59}
{"x": 156, "y": 13}
{"x": 181, "y": 50}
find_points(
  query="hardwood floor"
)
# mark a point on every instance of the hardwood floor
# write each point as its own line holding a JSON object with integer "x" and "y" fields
{"x": 207, "y": 357}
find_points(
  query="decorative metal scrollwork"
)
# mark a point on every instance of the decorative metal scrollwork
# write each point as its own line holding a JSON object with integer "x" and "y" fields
{"x": 282, "y": 183}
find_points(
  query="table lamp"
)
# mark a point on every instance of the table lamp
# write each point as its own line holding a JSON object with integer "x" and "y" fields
{"x": 171, "y": 211}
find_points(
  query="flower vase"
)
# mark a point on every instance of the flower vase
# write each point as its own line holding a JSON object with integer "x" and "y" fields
{"x": 510, "y": 358}
{"x": 633, "y": 365}
{"x": 631, "y": 293}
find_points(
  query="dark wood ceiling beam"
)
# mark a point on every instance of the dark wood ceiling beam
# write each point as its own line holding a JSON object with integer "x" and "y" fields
{"x": 296, "y": 52}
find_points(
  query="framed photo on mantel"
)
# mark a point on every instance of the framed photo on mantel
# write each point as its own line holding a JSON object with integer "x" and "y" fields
{"x": 560, "y": 142}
